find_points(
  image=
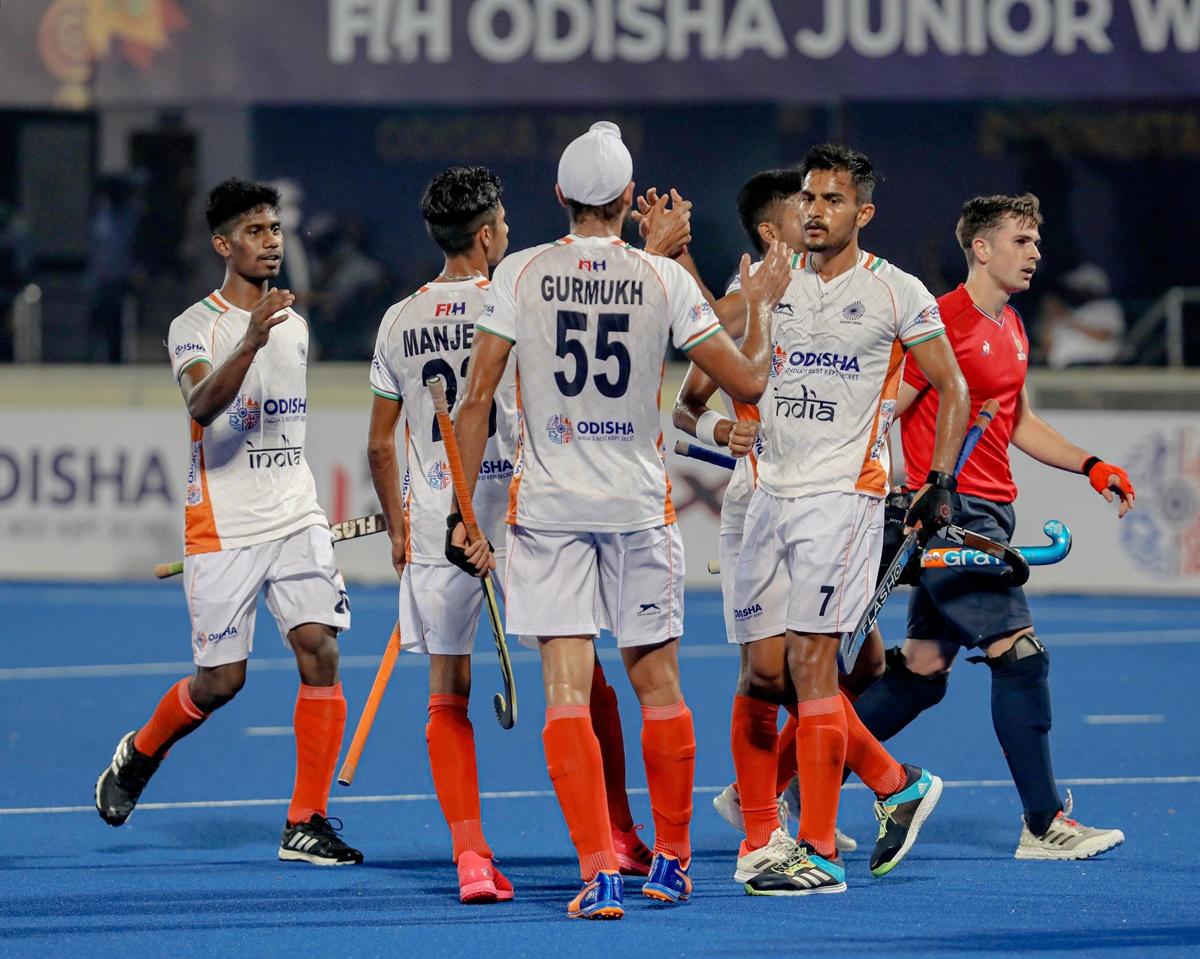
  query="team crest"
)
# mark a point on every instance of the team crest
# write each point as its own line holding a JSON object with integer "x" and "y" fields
{"x": 244, "y": 413}
{"x": 987, "y": 348}
{"x": 854, "y": 312}
{"x": 438, "y": 476}
{"x": 1019, "y": 345}
{"x": 778, "y": 360}
{"x": 560, "y": 430}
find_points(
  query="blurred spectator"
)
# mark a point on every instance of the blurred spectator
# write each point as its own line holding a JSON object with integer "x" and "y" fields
{"x": 350, "y": 290}
{"x": 112, "y": 271}
{"x": 294, "y": 275}
{"x": 1082, "y": 324}
{"x": 16, "y": 270}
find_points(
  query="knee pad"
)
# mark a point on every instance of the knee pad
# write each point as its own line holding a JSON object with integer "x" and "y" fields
{"x": 1027, "y": 656}
{"x": 929, "y": 690}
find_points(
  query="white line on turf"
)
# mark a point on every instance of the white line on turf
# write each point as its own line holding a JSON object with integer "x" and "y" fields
{"x": 269, "y": 730}
{"x": 549, "y": 793}
{"x": 1126, "y": 719}
{"x": 1167, "y": 637}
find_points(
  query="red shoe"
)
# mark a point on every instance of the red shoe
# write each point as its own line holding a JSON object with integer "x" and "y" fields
{"x": 633, "y": 856}
{"x": 479, "y": 881}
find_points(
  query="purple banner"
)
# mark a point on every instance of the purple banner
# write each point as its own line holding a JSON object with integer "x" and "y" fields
{"x": 469, "y": 52}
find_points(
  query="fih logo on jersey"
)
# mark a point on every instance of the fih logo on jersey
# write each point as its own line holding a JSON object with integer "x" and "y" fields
{"x": 438, "y": 475}
{"x": 244, "y": 413}
{"x": 560, "y": 430}
{"x": 592, "y": 266}
{"x": 778, "y": 360}
{"x": 854, "y": 313}
{"x": 450, "y": 309}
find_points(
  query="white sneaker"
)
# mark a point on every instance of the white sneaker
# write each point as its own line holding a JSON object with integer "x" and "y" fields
{"x": 778, "y": 850}
{"x": 1067, "y": 839}
{"x": 791, "y": 798}
{"x": 728, "y": 804}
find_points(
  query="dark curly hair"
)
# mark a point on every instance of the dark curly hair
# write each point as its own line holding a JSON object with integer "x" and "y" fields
{"x": 758, "y": 199}
{"x": 234, "y": 198}
{"x": 836, "y": 156}
{"x": 457, "y": 202}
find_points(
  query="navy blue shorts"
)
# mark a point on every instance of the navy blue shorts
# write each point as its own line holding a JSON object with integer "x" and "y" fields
{"x": 969, "y": 607}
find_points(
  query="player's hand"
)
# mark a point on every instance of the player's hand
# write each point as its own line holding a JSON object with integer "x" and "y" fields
{"x": 476, "y": 558}
{"x": 267, "y": 314}
{"x": 1107, "y": 479}
{"x": 668, "y": 225}
{"x": 399, "y": 540}
{"x": 765, "y": 288}
{"x": 645, "y": 203}
{"x": 742, "y": 435}
{"x": 931, "y": 510}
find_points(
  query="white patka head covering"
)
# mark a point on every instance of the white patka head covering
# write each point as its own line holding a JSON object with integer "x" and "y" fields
{"x": 595, "y": 168}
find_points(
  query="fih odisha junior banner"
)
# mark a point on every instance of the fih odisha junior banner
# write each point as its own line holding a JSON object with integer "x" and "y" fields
{"x": 99, "y": 495}
{"x": 107, "y": 52}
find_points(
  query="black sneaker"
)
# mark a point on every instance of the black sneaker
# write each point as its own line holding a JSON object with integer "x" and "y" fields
{"x": 120, "y": 785}
{"x": 317, "y": 841}
{"x": 804, "y": 874}
{"x": 900, "y": 816}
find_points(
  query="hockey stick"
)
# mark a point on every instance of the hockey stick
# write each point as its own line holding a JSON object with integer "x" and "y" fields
{"x": 347, "y": 529}
{"x": 704, "y": 454}
{"x": 947, "y": 557}
{"x": 367, "y": 719}
{"x": 506, "y": 702}
{"x": 852, "y": 641}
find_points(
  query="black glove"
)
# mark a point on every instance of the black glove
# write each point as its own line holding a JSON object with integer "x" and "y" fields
{"x": 456, "y": 554}
{"x": 932, "y": 510}
{"x": 895, "y": 509}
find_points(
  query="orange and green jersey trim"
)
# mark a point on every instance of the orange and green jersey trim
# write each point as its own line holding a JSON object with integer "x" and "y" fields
{"x": 698, "y": 338}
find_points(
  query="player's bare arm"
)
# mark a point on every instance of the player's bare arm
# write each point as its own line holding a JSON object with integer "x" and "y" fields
{"x": 1035, "y": 437}
{"x": 208, "y": 391}
{"x": 385, "y": 474}
{"x": 743, "y": 373}
{"x": 693, "y": 415}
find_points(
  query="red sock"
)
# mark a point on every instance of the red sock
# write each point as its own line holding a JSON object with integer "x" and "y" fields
{"x": 319, "y": 721}
{"x": 606, "y": 724}
{"x": 754, "y": 739}
{"x": 820, "y": 755}
{"x": 785, "y": 767}
{"x": 174, "y": 717}
{"x": 577, "y": 771}
{"x": 451, "y": 741}
{"x": 669, "y": 752}
{"x": 867, "y": 757}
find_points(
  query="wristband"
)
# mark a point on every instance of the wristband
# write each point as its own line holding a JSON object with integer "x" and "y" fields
{"x": 1089, "y": 464}
{"x": 941, "y": 480}
{"x": 706, "y": 427}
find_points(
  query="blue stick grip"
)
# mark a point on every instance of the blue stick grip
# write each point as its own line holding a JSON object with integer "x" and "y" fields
{"x": 971, "y": 439}
{"x": 704, "y": 454}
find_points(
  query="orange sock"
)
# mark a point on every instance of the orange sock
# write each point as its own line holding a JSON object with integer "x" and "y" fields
{"x": 319, "y": 721}
{"x": 820, "y": 755}
{"x": 606, "y": 724}
{"x": 669, "y": 752}
{"x": 174, "y": 717}
{"x": 754, "y": 739}
{"x": 867, "y": 757}
{"x": 451, "y": 741}
{"x": 577, "y": 771}
{"x": 785, "y": 767}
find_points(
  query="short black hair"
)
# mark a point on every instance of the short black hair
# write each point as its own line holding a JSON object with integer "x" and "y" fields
{"x": 758, "y": 200}
{"x": 983, "y": 214}
{"x": 605, "y": 211}
{"x": 837, "y": 156}
{"x": 235, "y": 197}
{"x": 457, "y": 202}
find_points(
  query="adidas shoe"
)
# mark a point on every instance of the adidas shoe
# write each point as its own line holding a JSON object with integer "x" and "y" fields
{"x": 804, "y": 874}
{"x": 479, "y": 881}
{"x": 728, "y": 804}
{"x": 669, "y": 881}
{"x": 633, "y": 855}
{"x": 791, "y": 799}
{"x": 900, "y": 817}
{"x": 317, "y": 841}
{"x": 751, "y": 862}
{"x": 602, "y": 898}
{"x": 1067, "y": 838}
{"x": 120, "y": 785}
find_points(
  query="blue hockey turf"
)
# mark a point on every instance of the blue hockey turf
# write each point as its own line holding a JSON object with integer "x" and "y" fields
{"x": 194, "y": 871}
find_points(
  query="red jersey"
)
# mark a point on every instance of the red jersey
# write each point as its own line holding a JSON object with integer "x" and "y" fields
{"x": 993, "y": 355}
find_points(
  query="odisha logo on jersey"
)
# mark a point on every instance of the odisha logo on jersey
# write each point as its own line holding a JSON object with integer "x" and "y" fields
{"x": 189, "y": 348}
{"x": 202, "y": 637}
{"x": 438, "y": 476}
{"x": 748, "y": 612}
{"x": 244, "y": 413}
{"x": 854, "y": 312}
{"x": 778, "y": 359}
{"x": 285, "y": 406}
{"x": 835, "y": 363}
{"x": 495, "y": 469}
{"x": 560, "y": 430}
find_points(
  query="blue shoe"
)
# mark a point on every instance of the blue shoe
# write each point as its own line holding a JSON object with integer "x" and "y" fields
{"x": 668, "y": 881}
{"x": 900, "y": 816}
{"x": 602, "y": 898}
{"x": 804, "y": 874}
